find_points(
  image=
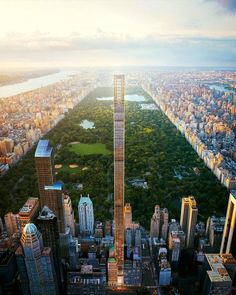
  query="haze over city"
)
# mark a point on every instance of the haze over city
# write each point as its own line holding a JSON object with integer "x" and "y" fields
{"x": 117, "y": 33}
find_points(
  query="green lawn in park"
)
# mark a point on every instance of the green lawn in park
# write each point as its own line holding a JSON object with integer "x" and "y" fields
{"x": 89, "y": 149}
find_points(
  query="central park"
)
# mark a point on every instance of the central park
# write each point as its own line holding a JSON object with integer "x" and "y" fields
{"x": 156, "y": 154}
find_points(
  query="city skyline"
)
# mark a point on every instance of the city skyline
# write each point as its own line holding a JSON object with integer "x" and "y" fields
{"x": 117, "y": 33}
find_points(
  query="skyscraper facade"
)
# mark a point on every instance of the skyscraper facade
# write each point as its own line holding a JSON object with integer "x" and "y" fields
{"x": 28, "y": 212}
{"x": 50, "y": 192}
{"x": 188, "y": 219}
{"x": 86, "y": 215}
{"x": 69, "y": 214}
{"x": 228, "y": 244}
{"x": 119, "y": 149}
{"x": 39, "y": 262}
{"x": 48, "y": 227}
{"x": 12, "y": 223}
{"x": 159, "y": 223}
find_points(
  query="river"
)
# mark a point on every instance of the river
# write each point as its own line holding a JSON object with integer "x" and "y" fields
{"x": 220, "y": 87}
{"x": 34, "y": 83}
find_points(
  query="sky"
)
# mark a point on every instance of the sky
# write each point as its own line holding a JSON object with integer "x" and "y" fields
{"x": 73, "y": 33}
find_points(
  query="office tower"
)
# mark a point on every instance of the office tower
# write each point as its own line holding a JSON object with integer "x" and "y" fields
{"x": 98, "y": 230}
{"x": 28, "y": 212}
{"x": 128, "y": 237}
{"x": 12, "y": 223}
{"x": 107, "y": 229}
{"x": 228, "y": 244}
{"x": 217, "y": 279}
{"x": 159, "y": 223}
{"x": 69, "y": 214}
{"x": 73, "y": 257}
{"x": 128, "y": 222}
{"x": 119, "y": 150}
{"x": 21, "y": 266}
{"x": 39, "y": 262}
{"x": 128, "y": 215}
{"x": 48, "y": 227}
{"x": 137, "y": 237}
{"x": 50, "y": 192}
{"x": 176, "y": 243}
{"x": 188, "y": 219}
{"x": 164, "y": 269}
{"x": 112, "y": 272}
{"x": 214, "y": 232}
{"x": 65, "y": 239}
{"x": 86, "y": 216}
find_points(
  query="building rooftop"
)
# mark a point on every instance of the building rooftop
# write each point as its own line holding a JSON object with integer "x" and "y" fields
{"x": 84, "y": 199}
{"x": 218, "y": 272}
{"x": 57, "y": 186}
{"x": 30, "y": 229}
{"x": 43, "y": 149}
{"x": 46, "y": 214}
{"x": 29, "y": 205}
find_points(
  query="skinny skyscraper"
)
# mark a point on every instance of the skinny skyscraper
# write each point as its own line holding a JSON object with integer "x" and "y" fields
{"x": 119, "y": 149}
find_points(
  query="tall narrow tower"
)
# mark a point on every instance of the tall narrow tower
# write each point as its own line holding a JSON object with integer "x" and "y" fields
{"x": 119, "y": 150}
{"x": 188, "y": 219}
{"x": 50, "y": 192}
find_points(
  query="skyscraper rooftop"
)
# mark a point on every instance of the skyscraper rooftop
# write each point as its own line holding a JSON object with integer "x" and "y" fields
{"x": 43, "y": 149}
{"x": 56, "y": 186}
{"x": 85, "y": 199}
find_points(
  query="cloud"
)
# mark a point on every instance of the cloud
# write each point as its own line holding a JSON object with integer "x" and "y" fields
{"x": 151, "y": 49}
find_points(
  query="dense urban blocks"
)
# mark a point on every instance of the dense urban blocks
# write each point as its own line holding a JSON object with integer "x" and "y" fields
{"x": 162, "y": 158}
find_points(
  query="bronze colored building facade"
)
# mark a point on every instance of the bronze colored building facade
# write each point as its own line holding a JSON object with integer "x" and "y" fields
{"x": 119, "y": 150}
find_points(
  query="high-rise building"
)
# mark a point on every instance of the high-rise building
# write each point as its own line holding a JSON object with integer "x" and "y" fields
{"x": 188, "y": 219}
{"x": 48, "y": 227}
{"x": 28, "y": 212}
{"x": 159, "y": 223}
{"x": 228, "y": 244}
{"x": 214, "y": 231}
{"x": 112, "y": 272}
{"x": 119, "y": 150}
{"x": 138, "y": 237}
{"x": 86, "y": 215}
{"x": 12, "y": 223}
{"x": 39, "y": 262}
{"x": 69, "y": 214}
{"x": 164, "y": 269}
{"x": 21, "y": 266}
{"x": 128, "y": 217}
{"x": 50, "y": 192}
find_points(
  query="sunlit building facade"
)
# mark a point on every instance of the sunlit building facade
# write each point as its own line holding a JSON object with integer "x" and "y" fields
{"x": 119, "y": 150}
